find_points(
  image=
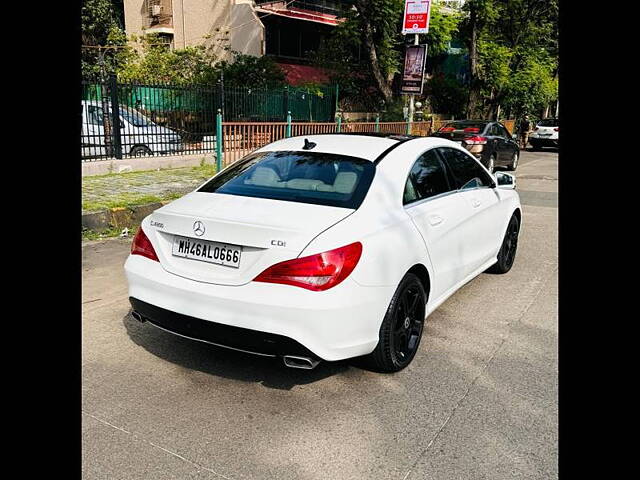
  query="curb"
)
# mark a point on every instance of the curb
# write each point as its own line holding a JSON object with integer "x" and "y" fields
{"x": 103, "y": 167}
{"x": 121, "y": 217}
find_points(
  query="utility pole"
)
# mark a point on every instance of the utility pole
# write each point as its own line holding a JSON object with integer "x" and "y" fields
{"x": 412, "y": 97}
{"x": 415, "y": 20}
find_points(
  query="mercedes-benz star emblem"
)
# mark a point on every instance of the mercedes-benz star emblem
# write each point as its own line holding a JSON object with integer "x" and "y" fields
{"x": 198, "y": 228}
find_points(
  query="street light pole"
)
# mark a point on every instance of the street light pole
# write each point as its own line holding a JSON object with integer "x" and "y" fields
{"x": 412, "y": 96}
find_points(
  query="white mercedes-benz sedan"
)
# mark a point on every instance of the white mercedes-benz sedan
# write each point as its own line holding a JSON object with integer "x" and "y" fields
{"x": 324, "y": 247}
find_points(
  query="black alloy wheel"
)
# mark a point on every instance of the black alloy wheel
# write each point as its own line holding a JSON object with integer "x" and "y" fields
{"x": 141, "y": 151}
{"x": 514, "y": 160}
{"x": 492, "y": 163}
{"x": 401, "y": 329}
{"x": 507, "y": 253}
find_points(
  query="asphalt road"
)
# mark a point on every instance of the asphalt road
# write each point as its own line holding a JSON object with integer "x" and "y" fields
{"x": 479, "y": 400}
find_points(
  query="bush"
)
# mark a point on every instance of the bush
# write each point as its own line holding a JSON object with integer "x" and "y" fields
{"x": 250, "y": 71}
{"x": 447, "y": 95}
{"x": 159, "y": 64}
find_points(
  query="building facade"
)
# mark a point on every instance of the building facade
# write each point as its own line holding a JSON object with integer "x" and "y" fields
{"x": 289, "y": 31}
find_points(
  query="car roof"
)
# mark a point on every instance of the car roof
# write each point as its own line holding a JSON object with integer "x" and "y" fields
{"x": 371, "y": 147}
{"x": 368, "y": 146}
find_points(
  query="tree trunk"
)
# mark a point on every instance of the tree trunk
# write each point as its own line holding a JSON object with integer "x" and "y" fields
{"x": 474, "y": 87}
{"x": 106, "y": 121}
{"x": 383, "y": 82}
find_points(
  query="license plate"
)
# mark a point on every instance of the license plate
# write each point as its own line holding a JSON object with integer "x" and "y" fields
{"x": 545, "y": 134}
{"x": 207, "y": 251}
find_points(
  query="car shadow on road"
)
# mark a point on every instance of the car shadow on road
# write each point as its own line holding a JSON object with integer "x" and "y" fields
{"x": 222, "y": 362}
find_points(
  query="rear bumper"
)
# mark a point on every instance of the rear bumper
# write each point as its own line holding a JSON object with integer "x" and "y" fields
{"x": 236, "y": 338}
{"x": 338, "y": 323}
{"x": 544, "y": 142}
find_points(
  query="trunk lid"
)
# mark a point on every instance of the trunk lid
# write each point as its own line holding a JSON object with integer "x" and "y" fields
{"x": 459, "y": 134}
{"x": 269, "y": 231}
{"x": 545, "y": 131}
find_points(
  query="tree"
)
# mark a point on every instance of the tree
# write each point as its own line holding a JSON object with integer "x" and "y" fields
{"x": 250, "y": 71}
{"x": 446, "y": 95}
{"x": 103, "y": 38}
{"x": 512, "y": 54}
{"x": 374, "y": 28}
{"x": 157, "y": 63}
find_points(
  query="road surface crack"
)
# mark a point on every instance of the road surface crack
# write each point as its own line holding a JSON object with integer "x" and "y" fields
{"x": 170, "y": 452}
{"x": 538, "y": 283}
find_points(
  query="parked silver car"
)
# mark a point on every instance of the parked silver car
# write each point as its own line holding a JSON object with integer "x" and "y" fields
{"x": 138, "y": 134}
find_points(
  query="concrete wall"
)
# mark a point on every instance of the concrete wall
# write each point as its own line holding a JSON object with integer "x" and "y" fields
{"x": 247, "y": 31}
{"x": 201, "y": 22}
{"x": 222, "y": 25}
{"x": 133, "y": 17}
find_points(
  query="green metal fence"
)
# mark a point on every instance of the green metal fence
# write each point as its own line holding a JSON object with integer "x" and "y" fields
{"x": 237, "y": 104}
{"x": 132, "y": 119}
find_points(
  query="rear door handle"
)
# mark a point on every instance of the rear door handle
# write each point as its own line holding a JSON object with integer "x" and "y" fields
{"x": 435, "y": 220}
{"x": 475, "y": 203}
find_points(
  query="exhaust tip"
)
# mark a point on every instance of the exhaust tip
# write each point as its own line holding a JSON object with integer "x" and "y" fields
{"x": 305, "y": 363}
{"x": 137, "y": 316}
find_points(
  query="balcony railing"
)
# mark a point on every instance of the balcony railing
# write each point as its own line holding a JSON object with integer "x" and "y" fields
{"x": 328, "y": 7}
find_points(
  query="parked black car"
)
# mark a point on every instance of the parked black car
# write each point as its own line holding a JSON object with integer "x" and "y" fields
{"x": 488, "y": 141}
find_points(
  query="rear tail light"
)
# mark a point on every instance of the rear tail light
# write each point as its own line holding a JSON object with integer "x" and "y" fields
{"x": 142, "y": 246}
{"x": 315, "y": 272}
{"x": 476, "y": 140}
{"x": 536, "y": 129}
{"x": 471, "y": 130}
{"x": 557, "y": 129}
{"x": 446, "y": 129}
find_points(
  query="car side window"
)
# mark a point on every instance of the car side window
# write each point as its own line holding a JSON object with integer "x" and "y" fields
{"x": 94, "y": 115}
{"x": 427, "y": 178}
{"x": 504, "y": 131}
{"x": 467, "y": 173}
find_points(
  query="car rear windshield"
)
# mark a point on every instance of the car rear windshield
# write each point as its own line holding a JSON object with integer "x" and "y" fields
{"x": 307, "y": 177}
{"x": 549, "y": 122}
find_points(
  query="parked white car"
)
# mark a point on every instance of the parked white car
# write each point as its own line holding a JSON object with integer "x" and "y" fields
{"x": 139, "y": 135}
{"x": 325, "y": 247}
{"x": 546, "y": 134}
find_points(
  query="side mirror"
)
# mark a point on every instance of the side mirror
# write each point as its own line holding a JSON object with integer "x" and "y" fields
{"x": 505, "y": 180}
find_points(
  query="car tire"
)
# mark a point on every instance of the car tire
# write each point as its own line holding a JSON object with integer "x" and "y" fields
{"x": 507, "y": 253}
{"x": 514, "y": 161}
{"x": 401, "y": 328}
{"x": 492, "y": 163}
{"x": 141, "y": 151}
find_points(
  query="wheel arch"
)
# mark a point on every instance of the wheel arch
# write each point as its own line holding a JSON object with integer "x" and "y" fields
{"x": 420, "y": 271}
{"x": 518, "y": 213}
{"x": 143, "y": 145}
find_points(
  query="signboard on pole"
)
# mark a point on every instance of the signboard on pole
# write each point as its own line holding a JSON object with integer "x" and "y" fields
{"x": 416, "y": 16}
{"x": 412, "y": 77}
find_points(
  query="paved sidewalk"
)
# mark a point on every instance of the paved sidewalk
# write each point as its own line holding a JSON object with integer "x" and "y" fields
{"x": 137, "y": 188}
